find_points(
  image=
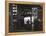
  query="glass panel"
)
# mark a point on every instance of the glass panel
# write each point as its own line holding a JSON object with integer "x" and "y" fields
{"x": 25, "y": 17}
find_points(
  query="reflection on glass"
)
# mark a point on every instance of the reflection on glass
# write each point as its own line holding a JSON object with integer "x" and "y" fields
{"x": 27, "y": 20}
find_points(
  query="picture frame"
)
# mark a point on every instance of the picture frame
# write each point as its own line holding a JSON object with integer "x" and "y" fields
{"x": 7, "y": 18}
